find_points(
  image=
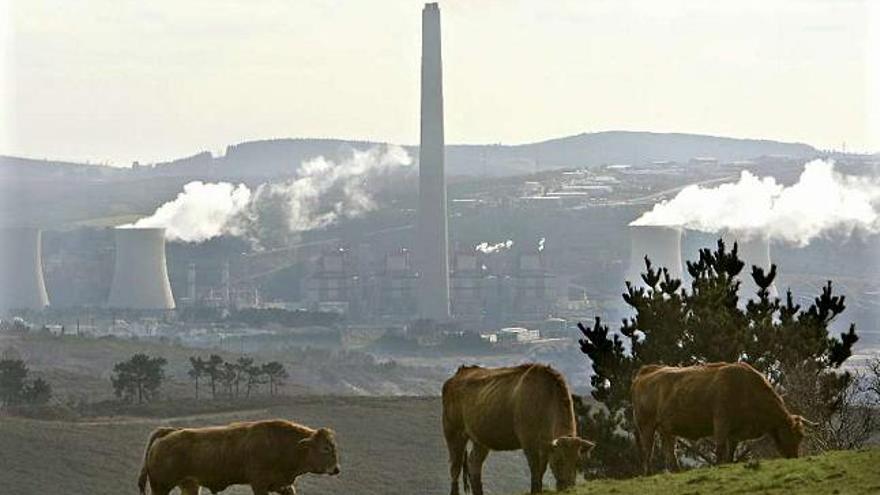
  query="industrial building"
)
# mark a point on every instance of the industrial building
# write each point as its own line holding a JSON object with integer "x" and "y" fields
{"x": 433, "y": 242}
{"x": 661, "y": 244}
{"x": 140, "y": 274}
{"x": 21, "y": 270}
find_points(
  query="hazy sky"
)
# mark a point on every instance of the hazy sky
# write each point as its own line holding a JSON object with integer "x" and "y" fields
{"x": 121, "y": 80}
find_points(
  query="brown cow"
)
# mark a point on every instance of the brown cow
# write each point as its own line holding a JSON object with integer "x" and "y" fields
{"x": 267, "y": 455}
{"x": 526, "y": 407}
{"x": 730, "y": 402}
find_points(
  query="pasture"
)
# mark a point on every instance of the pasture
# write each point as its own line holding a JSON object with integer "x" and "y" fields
{"x": 387, "y": 446}
{"x": 848, "y": 472}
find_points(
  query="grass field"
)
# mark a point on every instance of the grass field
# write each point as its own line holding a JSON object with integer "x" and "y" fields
{"x": 387, "y": 446}
{"x": 844, "y": 473}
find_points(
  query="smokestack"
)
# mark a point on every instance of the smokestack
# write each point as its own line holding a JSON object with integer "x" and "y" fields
{"x": 433, "y": 238}
{"x": 140, "y": 276}
{"x": 661, "y": 244}
{"x": 752, "y": 250}
{"x": 227, "y": 289}
{"x": 21, "y": 270}
{"x": 191, "y": 284}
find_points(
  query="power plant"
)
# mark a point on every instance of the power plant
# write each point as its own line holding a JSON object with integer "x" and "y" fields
{"x": 661, "y": 244}
{"x": 432, "y": 242}
{"x": 21, "y": 269}
{"x": 752, "y": 250}
{"x": 140, "y": 274}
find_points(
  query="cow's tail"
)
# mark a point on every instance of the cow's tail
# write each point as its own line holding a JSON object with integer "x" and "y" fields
{"x": 157, "y": 434}
{"x": 465, "y": 473}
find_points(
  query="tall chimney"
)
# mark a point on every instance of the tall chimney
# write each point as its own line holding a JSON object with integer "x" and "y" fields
{"x": 21, "y": 270}
{"x": 433, "y": 238}
{"x": 662, "y": 245}
{"x": 191, "y": 284}
{"x": 140, "y": 276}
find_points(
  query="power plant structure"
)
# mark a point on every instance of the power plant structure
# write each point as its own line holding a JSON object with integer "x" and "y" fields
{"x": 21, "y": 269}
{"x": 433, "y": 242}
{"x": 753, "y": 250}
{"x": 661, "y": 244}
{"x": 140, "y": 274}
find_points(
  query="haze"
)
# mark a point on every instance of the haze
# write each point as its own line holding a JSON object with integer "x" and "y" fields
{"x": 115, "y": 81}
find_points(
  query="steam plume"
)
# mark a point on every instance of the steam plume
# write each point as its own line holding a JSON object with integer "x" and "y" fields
{"x": 322, "y": 192}
{"x": 821, "y": 202}
{"x": 486, "y": 248}
{"x": 541, "y": 244}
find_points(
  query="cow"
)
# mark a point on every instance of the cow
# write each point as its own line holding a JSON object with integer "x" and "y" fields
{"x": 526, "y": 407}
{"x": 267, "y": 455}
{"x": 730, "y": 402}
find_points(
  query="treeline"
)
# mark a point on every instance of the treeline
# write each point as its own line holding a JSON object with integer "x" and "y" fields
{"x": 242, "y": 377}
{"x": 140, "y": 378}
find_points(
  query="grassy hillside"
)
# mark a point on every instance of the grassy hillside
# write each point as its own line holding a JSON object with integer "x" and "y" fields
{"x": 847, "y": 472}
{"x": 388, "y": 446}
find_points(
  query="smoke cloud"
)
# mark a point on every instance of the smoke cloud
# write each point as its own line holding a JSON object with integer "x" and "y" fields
{"x": 822, "y": 201}
{"x": 486, "y": 248}
{"x": 323, "y": 192}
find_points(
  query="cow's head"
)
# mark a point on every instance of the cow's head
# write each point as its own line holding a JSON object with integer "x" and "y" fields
{"x": 565, "y": 456}
{"x": 320, "y": 449}
{"x": 789, "y": 436}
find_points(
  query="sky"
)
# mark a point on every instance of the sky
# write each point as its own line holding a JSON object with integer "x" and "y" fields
{"x": 114, "y": 81}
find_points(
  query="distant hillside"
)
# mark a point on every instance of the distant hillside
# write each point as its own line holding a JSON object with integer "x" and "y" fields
{"x": 281, "y": 157}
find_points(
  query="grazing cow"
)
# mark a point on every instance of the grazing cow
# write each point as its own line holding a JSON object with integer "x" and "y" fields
{"x": 730, "y": 402}
{"x": 527, "y": 407}
{"x": 267, "y": 455}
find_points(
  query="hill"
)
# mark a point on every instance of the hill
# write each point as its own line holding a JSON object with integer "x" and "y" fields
{"x": 388, "y": 446}
{"x": 281, "y": 157}
{"x": 845, "y": 472}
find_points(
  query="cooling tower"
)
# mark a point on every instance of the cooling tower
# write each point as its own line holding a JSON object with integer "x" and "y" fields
{"x": 433, "y": 250}
{"x": 752, "y": 250}
{"x": 21, "y": 270}
{"x": 140, "y": 276}
{"x": 662, "y": 245}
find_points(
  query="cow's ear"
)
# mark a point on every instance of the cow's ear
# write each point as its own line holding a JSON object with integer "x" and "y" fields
{"x": 305, "y": 443}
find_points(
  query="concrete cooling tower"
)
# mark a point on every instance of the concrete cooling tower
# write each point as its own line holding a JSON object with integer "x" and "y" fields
{"x": 140, "y": 276}
{"x": 21, "y": 270}
{"x": 662, "y": 245}
{"x": 752, "y": 250}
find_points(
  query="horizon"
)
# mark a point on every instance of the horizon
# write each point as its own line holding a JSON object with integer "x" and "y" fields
{"x": 152, "y": 83}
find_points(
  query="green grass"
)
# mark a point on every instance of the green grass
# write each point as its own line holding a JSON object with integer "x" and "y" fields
{"x": 845, "y": 473}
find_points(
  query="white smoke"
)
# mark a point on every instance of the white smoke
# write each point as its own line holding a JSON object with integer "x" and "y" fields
{"x": 541, "y": 244}
{"x": 322, "y": 192}
{"x": 821, "y": 202}
{"x": 200, "y": 212}
{"x": 486, "y": 248}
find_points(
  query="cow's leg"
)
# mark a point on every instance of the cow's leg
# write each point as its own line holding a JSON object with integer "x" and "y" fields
{"x": 721, "y": 436}
{"x": 158, "y": 489}
{"x": 189, "y": 488}
{"x": 537, "y": 466}
{"x": 475, "y": 467}
{"x": 456, "y": 443}
{"x": 260, "y": 490}
{"x": 646, "y": 445}
{"x": 669, "y": 456}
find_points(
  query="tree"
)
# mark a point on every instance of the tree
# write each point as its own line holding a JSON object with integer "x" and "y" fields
{"x": 138, "y": 378}
{"x": 214, "y": 370}
{"x": 13, "y": 375}
{"x": 37, "y": 392}
{"x": 276, "y": 374}
{"x": 706, "y": 323}
{"x": 197, "y": 370}
{"x": 228, "y": 374}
